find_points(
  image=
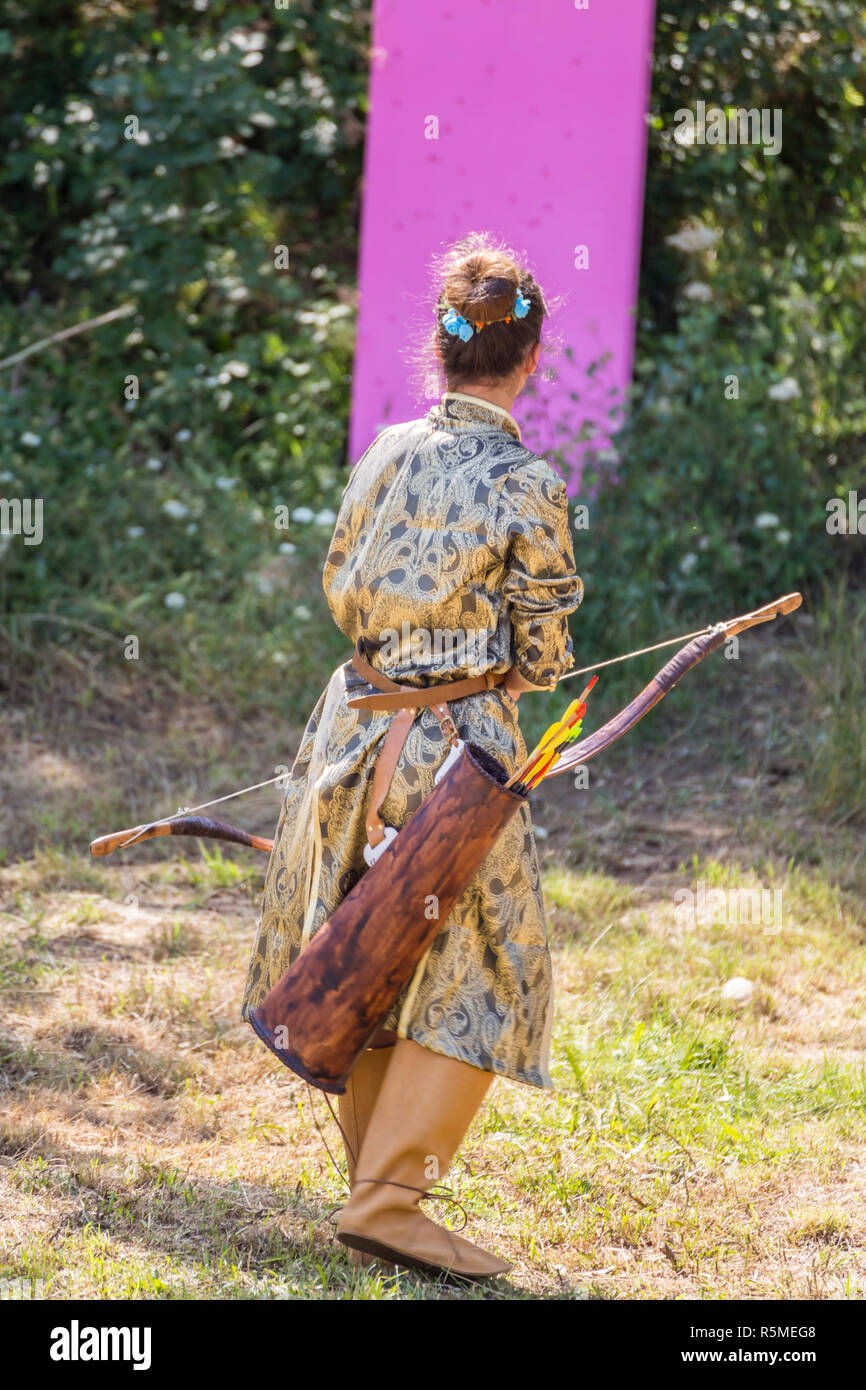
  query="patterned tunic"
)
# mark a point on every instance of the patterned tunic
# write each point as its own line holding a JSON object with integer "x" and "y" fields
{"x": 451, "y": 556}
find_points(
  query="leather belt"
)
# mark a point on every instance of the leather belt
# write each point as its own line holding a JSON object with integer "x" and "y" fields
{"x": 415, "y": 697}
{"x": 407, "y": 699}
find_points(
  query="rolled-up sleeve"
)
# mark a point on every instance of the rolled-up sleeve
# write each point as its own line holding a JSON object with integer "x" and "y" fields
{"x": 541, "y": 586}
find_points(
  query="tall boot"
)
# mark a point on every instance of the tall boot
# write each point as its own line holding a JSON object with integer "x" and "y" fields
{"x": 354, "y": 1108}
{"x": 423, "y": 1110}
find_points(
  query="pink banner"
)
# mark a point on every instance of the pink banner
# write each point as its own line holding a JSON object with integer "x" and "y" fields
{"x": 528, "y": 122}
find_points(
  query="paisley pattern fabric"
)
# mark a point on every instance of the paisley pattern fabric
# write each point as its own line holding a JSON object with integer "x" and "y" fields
{"x": 451, "y": 556}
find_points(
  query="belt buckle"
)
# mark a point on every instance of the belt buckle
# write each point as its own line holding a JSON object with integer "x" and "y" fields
{"x": 448, "y": 730}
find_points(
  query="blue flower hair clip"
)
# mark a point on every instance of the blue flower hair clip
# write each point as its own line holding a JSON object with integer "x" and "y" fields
{"x": 458, "y": 326}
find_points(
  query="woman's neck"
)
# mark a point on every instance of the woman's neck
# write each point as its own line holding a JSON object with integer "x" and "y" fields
{"x": 500, "y": 396}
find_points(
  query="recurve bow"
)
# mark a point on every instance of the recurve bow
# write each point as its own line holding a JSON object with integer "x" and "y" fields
{"x": 694, "y": 651}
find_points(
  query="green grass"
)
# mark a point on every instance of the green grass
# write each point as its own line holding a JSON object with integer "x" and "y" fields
{"x": 693, "y": 1148}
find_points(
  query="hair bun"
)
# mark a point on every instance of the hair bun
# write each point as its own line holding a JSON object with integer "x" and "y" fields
{"x": 478, "y": 279}
{"x": 482, "y": 286}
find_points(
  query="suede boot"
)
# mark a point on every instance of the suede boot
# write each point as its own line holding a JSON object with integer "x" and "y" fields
{"x": 423, "y": 1110}
{"x": 354, "y": 1108}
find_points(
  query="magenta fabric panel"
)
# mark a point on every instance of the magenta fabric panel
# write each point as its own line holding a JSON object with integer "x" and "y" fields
{"x": 541, "y": 139}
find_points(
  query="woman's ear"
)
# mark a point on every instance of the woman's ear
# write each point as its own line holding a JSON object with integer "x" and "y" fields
{"x": 530, "y": 362}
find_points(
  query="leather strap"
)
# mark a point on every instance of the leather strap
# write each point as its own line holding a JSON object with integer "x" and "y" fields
{"x": 407, "y": 700}
{"x": 395, "y": 696}
{"x": 386, "y": 764}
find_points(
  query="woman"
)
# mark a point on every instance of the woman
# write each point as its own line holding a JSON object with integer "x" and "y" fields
{"x": 451, "y": 560}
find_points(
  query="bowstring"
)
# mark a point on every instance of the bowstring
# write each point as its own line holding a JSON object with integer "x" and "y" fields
{"x": 191, "y": 810}
{"x": 573, "y": 757}
{"x": 269, "y": 781}
{"x": 686, "y": 637}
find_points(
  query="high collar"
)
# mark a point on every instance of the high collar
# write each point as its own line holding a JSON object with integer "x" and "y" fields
{"x": 459, "y": 409}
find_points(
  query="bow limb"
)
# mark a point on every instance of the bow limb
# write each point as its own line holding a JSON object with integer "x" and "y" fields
{"x": 201, "y": 827}
{"x": 667, "y": 678}
{"x": 777, "y": 609}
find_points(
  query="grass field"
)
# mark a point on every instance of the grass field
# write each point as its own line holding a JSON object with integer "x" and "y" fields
{"x": 694, "y": 1148}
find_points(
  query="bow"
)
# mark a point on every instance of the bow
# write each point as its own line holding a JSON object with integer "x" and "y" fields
{"x": 668, "y": 677}
{"x": 700, "y": 646}
{"x": 200, "y": 826}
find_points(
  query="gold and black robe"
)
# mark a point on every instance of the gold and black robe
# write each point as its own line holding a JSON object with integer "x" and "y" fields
{"x": 451, "y": 556}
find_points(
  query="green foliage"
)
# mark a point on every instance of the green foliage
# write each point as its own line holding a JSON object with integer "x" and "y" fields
{"x": 158, "y": 156}
{"x": 748, "y": 411}
{"x": 201, "y": 168}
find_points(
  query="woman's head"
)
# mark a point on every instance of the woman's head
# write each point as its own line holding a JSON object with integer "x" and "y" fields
{"x": 482, "y": 282}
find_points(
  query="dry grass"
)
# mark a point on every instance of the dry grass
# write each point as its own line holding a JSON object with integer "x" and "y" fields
{"x": 150, "y": 1147}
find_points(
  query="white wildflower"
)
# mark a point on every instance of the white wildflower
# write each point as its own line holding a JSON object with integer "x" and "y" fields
{"x": 783, "y": 536}
{"x": 135, "y": 532}
{"x": 225, "y": 484}
{"x": 287, "y": 548}
{"x": 699, "y": 291}
{"x": 175, "y": 600}
{"x": 765, "y": 520}
{"x": 302, "y": 612}
{"x": 785, "y": 390}
{"x": 688, "y": 562}
{"x": 183, "y": 436}
{"x": 79, "y": 111}
{"x": 695, "y": 238}
{"x": 303, "y": 514}
{"x": 176, "y": 509}
{"x": 326, "y": 517}
{"x": 154, "y": 465}
{"x": 322, "y": 134}
{"x": 31, "y": 440}
{"x": 248, "y": 40}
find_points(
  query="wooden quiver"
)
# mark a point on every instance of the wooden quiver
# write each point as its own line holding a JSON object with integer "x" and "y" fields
{"x": 330, "y": 1003}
